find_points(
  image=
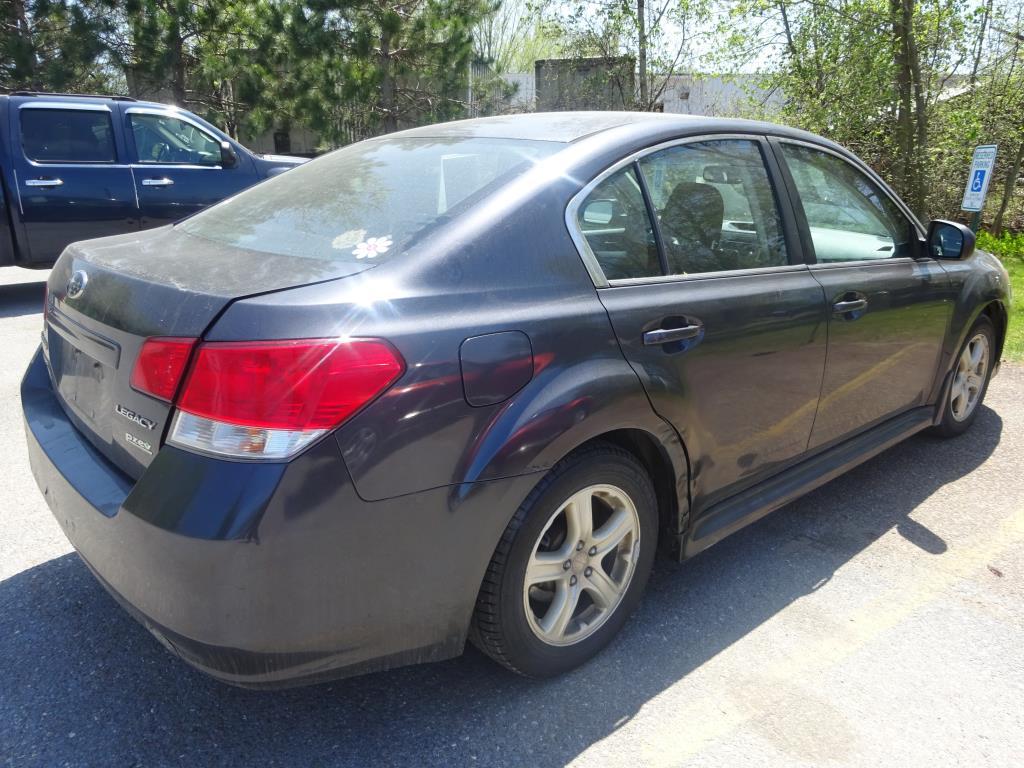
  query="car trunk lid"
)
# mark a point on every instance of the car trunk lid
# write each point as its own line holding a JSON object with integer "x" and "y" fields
{"x": 158, "y": 283}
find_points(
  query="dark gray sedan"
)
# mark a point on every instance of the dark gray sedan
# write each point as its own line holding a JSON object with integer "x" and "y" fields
{"x": 463, "y": 382}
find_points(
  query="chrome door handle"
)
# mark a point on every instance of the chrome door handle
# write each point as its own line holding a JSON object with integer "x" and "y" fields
{"x": 164, "y": 182}
{"x": 854, "y": 305}
{"x": 666, "y": 335}
{"x": 43, "y": 182}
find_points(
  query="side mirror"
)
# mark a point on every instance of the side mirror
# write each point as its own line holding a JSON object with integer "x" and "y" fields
{"x": 949, "y": 240}
{"x": 228, "y": 158}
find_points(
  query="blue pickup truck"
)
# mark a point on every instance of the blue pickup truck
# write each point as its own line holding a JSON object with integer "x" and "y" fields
{"x": 78, "y": 167}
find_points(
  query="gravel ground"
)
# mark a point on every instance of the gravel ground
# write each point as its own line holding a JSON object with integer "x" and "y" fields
{"x": 877, "y": 621}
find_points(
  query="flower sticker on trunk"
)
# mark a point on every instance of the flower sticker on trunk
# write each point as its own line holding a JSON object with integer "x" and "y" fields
{"x": 372, "y": 247}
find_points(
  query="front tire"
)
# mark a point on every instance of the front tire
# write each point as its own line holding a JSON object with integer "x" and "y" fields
{"x": 971, "y": 375}
{"x": 571, "y": 565}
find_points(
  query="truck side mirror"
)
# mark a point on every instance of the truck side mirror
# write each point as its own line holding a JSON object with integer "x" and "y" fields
{"x": 228, "y": 158}
{"x": 949, "y": 240}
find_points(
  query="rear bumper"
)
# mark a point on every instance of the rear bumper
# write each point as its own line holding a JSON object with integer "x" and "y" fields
{"x": 270, "y": 575}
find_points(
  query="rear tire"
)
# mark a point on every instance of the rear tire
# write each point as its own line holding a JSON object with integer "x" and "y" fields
{"x": 584, "y": 579}
{"x": 971, "y": 373}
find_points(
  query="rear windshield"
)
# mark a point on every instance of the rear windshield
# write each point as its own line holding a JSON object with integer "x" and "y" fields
{"x": 368, "y": 201}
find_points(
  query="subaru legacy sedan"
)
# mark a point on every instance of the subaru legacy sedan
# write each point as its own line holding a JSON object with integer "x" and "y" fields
{"x": 464, "y": 381}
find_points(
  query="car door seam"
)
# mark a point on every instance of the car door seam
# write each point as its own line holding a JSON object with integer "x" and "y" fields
{"x": 686, "y": 522}
{"x": 17, "y": 189}
{"x": 135, "y": 187}
{"x": 828, "y": 351}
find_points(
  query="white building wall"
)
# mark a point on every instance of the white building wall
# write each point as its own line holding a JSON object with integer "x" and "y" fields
{"x": 303, "y": 141}
{"x": 684, "y": 94}
{"x": 526, "y": 91}
{"x": 716, "y": 96}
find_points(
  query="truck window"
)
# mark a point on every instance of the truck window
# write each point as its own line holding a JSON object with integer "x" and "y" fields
{"x": 166, "y": 140}
{"x": 67, "y": 136}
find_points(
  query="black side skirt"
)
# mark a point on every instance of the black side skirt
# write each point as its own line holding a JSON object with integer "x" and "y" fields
{"x": 735, "y": 512}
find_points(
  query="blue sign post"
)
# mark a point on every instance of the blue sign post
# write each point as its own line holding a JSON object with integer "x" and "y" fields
{"x": 977, "y": 182}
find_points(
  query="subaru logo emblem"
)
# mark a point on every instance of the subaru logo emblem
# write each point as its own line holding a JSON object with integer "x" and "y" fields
{"x": 76, "y": 285}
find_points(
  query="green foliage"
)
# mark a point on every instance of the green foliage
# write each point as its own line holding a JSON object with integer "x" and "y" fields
{"x": 990, "y": 111}
{"x": 1008, "y": 246}
{"x": 657, "y": 34}
{"x": 359, "y": 67}
{"x": 840, "y": 66}
{"x": 1010, "y": 250}
{"x": 511, "y": 37}
{"x": 345, "y": 68}
{"x": 910, "y": 85}
{"x": 56, "y": 45}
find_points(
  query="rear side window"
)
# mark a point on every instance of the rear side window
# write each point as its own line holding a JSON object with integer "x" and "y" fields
{"x": 715, "y": 206}
{"x": 368, "y": 201}
{"x": 67, "y": 136}
{"x": 614, "y": 221}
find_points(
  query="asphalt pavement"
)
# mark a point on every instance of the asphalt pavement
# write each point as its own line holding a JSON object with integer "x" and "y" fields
{"x": 877, "y": 621}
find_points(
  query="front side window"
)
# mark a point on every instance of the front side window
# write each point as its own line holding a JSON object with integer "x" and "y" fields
{"x": 850, "y": 217}
{"x": 67, "y": 136}
{"x": 615, "y": 223}
{"x": 166, "y": 140}
{"x": 715, "y": 206}
{"x": 368, "y": 201}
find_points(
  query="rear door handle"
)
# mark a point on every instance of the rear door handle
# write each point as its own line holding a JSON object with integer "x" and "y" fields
{"x": 666, "y": 335}
{"x": 164, "y": 182}
{"x": 854, "y": 305}
{"x": 43, "y": 182}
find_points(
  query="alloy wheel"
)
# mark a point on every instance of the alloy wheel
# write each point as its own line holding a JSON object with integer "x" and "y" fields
{"x": 969, "y": 379}
{"x": 581, "y": 565}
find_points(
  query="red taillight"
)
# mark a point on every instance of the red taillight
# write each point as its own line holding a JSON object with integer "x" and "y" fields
{"x": 262, "y": 399}
{"x": 160, "y": 365}
{"x": 299, "y": 385}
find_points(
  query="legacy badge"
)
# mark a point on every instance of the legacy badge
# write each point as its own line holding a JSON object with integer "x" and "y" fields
{"x": 131, "y": 415}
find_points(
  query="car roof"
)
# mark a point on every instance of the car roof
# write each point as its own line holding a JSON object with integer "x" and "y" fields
{"x": 569, "y": 127}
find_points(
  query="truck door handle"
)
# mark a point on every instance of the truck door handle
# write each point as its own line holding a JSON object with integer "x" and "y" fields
{"x": 854, "y": 305}
{"x": 164, "y": 182}
{"x": 667, "y": 335}
{"x": 43, "y": 182}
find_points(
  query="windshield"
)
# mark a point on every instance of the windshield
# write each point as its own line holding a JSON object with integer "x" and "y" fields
{"x": 368, "y": 201}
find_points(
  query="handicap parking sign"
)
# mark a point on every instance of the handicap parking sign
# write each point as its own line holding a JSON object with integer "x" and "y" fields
{"x": 977, "y": 182}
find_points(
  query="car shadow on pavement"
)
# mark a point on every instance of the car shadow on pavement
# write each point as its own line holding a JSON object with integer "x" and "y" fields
{"x": 22, "y": 299}
{"x": 82, "y": 683}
